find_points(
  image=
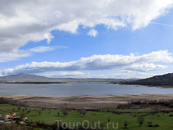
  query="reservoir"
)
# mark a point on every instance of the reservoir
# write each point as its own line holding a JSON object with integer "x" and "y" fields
{"x": 79, "y": 89}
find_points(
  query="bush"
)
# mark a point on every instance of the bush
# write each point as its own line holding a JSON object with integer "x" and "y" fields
{"x": 34, "y": 124}
{"x": 108, "y": 119}
{"x": 156, "y": 125}
{"x": 65, "y": 111}
{"x": 126, "y": 123}
{"x": 140, "y": 120}
{"x": 39, "y": 112}
{"x": 22, "y": 115}
{"x": 83, "y": 112}
{"x": 101, "y": 126}
{"x": 19, "y": 107}
{"x": 13, "y": 109}
{"x": 149, "y": 124}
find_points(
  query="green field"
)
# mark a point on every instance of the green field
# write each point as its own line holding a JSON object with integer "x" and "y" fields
{"x": 164, "y": 121}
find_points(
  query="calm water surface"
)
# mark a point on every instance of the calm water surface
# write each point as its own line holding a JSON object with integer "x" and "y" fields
{"x": 78, "y": 89}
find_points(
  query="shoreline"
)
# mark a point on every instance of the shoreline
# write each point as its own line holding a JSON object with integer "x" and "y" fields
{"x": 33, "y": 82}
{"x": 144, "y": 85}
{"x": 88, "y": 102}
{"x": 136, "y": 85}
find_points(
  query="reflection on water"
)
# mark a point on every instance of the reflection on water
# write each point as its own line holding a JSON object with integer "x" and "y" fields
{"x": 78, "y": 89}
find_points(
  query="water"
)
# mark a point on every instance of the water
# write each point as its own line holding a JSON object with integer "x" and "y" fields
{"x": 78, "y": 89}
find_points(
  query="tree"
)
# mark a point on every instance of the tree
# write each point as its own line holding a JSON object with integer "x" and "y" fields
{"x": 140, "y": 120}
{"x": 108, "y": 119}
{"x": 19, "y": 107}
{"x": 13, "y": 109}
{"x": 39, "y": 112}
{"x": 101, "y": 126}
{"x": 65, "y": 111}
{"x": 22, "y": 115}
{"x": 58, "y": 112}
{"x": 83, "y": 112}
{"x": 28, "y": 111}
{"x": 126, "y": 123}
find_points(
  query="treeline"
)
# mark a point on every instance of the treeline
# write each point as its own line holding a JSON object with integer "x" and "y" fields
{"x": 162, "y": 80}
{"x": 140, "y": 104}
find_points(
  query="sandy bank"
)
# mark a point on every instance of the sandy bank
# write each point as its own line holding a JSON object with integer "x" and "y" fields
{"x": 85, "y": 101}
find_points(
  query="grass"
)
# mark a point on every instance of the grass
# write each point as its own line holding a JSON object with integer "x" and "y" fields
{"x": 163, "y": 120}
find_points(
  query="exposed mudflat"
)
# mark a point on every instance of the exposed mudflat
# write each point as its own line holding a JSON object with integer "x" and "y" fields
{"x": 89, "y": 102}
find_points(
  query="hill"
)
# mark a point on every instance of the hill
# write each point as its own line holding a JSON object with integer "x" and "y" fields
{"x": 29, "y": 78}
{"x": 22, "y": 77}
{"x": 165, "y": 80}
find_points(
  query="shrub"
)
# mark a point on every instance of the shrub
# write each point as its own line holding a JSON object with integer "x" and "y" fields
{"x": 101, "y": 126}
{"x": 108, "y": 119}
{"x": 19, "y": 107}
{"x": 28, "y": 111}
{"x": 126, "y": 123}
{"x": 22, "y": 115}
{"x": 140, "y": 120}
{"x": 39, "y": 112}
{"x": 149, "y": 124}
{"x": 13, "y": 109}
{"x": 64, "y": 126}
{"x": 156, "y": 125}
{"x": 65, "y": 111}
{"x": 34, "y": 124}
{"x": 83, "y": 112}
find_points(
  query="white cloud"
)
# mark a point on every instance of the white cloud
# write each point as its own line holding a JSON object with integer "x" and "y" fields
{"x": 99, "y": 62}
{"x": 62, "y": 74}
{"x": 131, "y": 74}
{"x": 162, "y": 24}
{"x": 45, "y": 48}
{"x": 22, "y": 21}
{"x": 14, "y": 55}
{"x": 18, "y": 54}
{"x": 115, "y": 75}
{"x": 41, "y": 49}
{"x": 92, "y": 32}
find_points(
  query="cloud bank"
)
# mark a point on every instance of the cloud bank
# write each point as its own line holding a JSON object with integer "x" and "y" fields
{"x": 118, "y": 75}
{"x": 33, "y": 20}
{"x": 60, "y": 74}
{"x": 130, "y": 62}
{"x": 18, "y": 54}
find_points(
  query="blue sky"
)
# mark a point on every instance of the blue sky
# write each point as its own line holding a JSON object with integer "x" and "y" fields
{"x": 100, "y": 39}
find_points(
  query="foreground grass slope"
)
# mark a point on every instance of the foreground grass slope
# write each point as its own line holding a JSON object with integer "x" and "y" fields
{"x": 49, "y": 116}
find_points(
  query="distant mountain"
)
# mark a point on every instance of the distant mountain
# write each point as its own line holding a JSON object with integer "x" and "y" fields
{"x": 29, "y": 78}
{"x": 165, "y": 80}
{"x": 22, "y": 77}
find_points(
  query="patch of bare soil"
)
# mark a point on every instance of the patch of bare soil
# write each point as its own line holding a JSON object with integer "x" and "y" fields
{"x": 90, "y": 102}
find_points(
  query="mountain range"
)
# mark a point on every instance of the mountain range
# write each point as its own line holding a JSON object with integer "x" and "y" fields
{"x": 30, "y": 78}
{"x": 165, "y": 80}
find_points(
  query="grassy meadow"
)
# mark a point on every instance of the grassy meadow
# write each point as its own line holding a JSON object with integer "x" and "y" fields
{"x": 49, "y": 116}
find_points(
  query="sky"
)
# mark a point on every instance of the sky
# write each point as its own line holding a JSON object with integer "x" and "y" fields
{"x": 86, "y": 38}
